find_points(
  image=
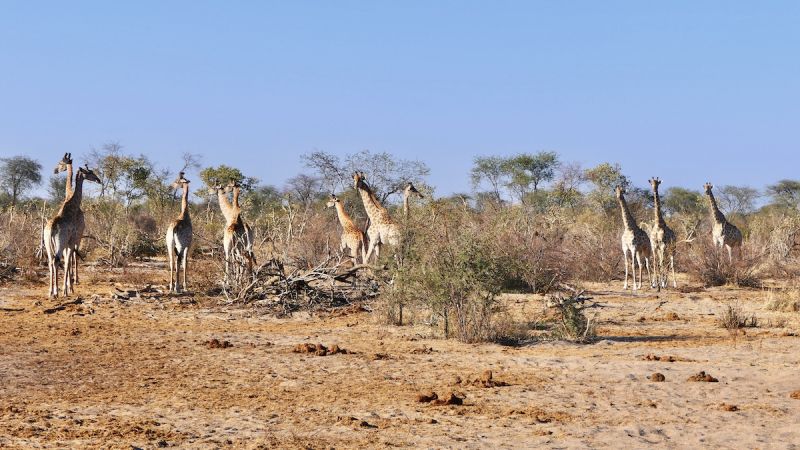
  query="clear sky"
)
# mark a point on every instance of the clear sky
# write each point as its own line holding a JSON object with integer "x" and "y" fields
{"x": 686, "y": 90}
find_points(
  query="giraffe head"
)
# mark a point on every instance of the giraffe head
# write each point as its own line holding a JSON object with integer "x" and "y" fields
{"x": 332, "y": 201}
{"x": 88, "y": 174}
{"x": 214, "y": 186}
{"x": 62, "y": 165}
{"x": 655, "y": 182}
{"x": 620, "y": 191}
{"x": 359, "y": 180}
{"x": 410, "y": 190}
{"x": 232, "y": 186}
{"x": 180, "y": 181}
{"x": 708, "y": 187}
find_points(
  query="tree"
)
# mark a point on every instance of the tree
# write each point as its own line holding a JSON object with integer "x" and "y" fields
{"x": 386, "y": 174}
{"x": 223, "y": 174}
{"x": 304, "y": 189}
{"x": 18, "y": 174}
{"x": 606, "y": 177}
{"x": 56, "y": 189}
{"x": 526, "y": 170}
{"x": 687, "y": 208}
{"x": 737, "y": 199}
{"x": 491, "y": 170}
{"x": 785, "y": 193}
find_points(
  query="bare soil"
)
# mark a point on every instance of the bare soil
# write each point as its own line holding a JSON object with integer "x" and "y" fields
{"x": 156, "y": 371}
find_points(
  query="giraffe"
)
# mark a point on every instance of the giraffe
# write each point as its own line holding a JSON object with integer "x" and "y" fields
{"x": 723, "y": 233}
{"x": 66, "y": 165}
{"x": 382, "y": 228}
{"x": 634, "y": 241}
{"x": 353, "y": 238}
{"x": 408, "y": 191}
{"x": 60, "y": 233}
{"x": 662, "y": 240}
{"x": 179, "y": 238}
{"x": 238, "y": 237}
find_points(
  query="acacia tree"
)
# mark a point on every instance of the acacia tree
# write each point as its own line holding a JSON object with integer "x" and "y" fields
{"x": 18, "y": 174}
{"x": 527, "y": 171}
{"x": 785, "y": 193}
{"x": 737, "y": 199}
{"x": 489, "y": 169}
{"x": 385, "y": 173}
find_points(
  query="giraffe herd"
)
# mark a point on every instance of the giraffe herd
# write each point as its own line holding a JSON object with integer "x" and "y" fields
{"x": 62, "y": 235}
{"x": 661, "y": 242}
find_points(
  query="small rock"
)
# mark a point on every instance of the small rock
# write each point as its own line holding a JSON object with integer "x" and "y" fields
{"x": 702, "y": 376}
{"x": 426, "y": 397}
{"x": 727, "y": 407}
{"x": 658, "y": 377}
{"x": 795, "y": 395}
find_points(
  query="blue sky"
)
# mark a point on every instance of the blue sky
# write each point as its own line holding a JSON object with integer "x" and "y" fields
{"x": 686, "y": 90}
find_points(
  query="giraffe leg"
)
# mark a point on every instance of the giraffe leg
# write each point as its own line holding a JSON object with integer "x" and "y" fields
{"x": 730, "y": 255}
{"x": 633, "y": 268}
{"x": 51, "y": 265}
{"x": 672, "y": 266}
{"x": 625, "y": 258}
{"x": 171, "y": 258}
{"x": 650, "y": 275}
{"x": 67, "y": 262}
{"x": 185, "y": 260}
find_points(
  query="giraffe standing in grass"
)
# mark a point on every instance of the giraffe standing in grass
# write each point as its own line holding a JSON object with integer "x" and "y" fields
{"x": 723, "y": 233}
{"x": 662, "y": 240}
{"x": 80, "y": 226}
{"x": 634, "y": 242}
{"x": 60, "y": 234}
{"x": 353, "y": 238}
{"x": 382, "y": 228}
{"x": 179, "y": 238}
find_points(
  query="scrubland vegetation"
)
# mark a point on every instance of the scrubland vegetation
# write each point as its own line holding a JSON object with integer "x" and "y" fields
{"x": 532, "y": 223}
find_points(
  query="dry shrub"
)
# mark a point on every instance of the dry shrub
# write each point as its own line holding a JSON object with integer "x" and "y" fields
{"x": 452, "y": 268}
{"x": 784, "y": 300}
{"x": 571, "y": 323}
{"x": 732, "y": 319}
{"x": 594, "y": 247}
{"x": 711, "y": 266}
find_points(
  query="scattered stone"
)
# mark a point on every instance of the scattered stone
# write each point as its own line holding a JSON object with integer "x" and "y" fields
{"x": 702, "y": 376}
{"x": 727, "y": 407}
{"x": 422, "y": 351}
{"x": 216, "y": 343}
{"x": 671, "y": 316}
{"x": 664, "y": 358}
{"x": 449, "y": 399}
{"x": 456, "y": 380}
{"x": 380, "y": 356}
{"x": 795, "y": 395}
{"x": 658, "y": 377}
{"x": 319, "y": 349}
{"x": 486, "y": 379}
{"x": 426, "y": 397}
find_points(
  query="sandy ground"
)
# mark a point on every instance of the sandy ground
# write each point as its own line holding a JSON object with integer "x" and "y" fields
{"x": 112, "y": 373}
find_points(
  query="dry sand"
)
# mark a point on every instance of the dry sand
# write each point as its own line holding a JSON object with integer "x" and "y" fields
{"x": 113, "y": 373}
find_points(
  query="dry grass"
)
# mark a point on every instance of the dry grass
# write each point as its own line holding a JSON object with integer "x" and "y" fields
{"x": 783, "y": 300}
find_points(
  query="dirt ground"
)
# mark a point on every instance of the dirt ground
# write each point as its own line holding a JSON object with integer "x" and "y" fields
{"x": 147, "y": 373}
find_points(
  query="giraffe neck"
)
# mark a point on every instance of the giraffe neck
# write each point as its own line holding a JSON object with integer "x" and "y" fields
{"x": 659, "y": 216}
{"x": 69, "y": 181}
{"x": 716, "y": 214}
{"x": 406, "y": 195}
{"x": 376, "y": 212}
{"x": 73, "y": 204}
{"x": 627, "y": 217}
{"x": 344, "y": 219}
{"x": 225, "y": 205}
{"x": 185, "y": 203}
